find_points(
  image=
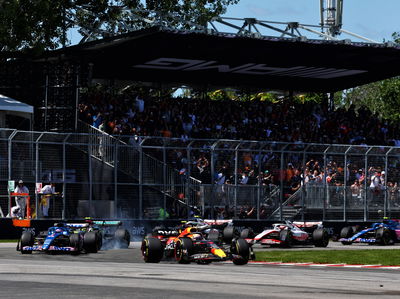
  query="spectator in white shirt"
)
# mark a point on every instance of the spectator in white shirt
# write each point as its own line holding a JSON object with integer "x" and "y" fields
{"x": 21, "y": 200}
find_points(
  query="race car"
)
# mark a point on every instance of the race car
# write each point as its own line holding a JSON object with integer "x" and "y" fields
{"x": 218, "y": 231}
{"x": 191, "y": 245}
{"x": 383, "y": 233}
{"x": 111, "y": 233}
{"x": 288, "y": 234}
{"x": 60, "y": 238}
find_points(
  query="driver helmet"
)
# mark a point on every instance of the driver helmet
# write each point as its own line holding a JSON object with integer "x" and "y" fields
{"x": 196, "y": 236}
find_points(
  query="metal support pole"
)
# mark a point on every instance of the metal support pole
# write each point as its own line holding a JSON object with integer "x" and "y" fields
{"x": 236, "y": 180}
{"x": 326, "y": 188}
{"x": 303, "y": 187}
{"x": 36, "y": 178}
{"x": 164, "y": 164}
{"x": 64, "y": 176}
{"x": 76, "y": 101}
{"x": 37, "y": 173}
{"x": 140, "y": 182}
{"x": 212, "y": 179}
{"x": 10, "y": 165}
{"x": 116, "y": 164}
{"x": 187, "y": 176}
{"x": 365, "y": 185}
{"x": 345, "y": 193}
{"x": 90, "y": 178}
{"x": 46, "y": 91}
{"x": 259, "y": 185}
{"x": 10, "y": 153}
{"x": 386, "y": 202}
{"x": 281, "y": 178}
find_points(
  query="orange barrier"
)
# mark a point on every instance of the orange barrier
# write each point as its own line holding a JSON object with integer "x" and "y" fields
{"x": 28, "y": 201}
{"x": 21, "y": 222}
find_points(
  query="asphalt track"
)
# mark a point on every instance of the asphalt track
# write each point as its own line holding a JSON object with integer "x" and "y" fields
{"x": 123, "y": 274}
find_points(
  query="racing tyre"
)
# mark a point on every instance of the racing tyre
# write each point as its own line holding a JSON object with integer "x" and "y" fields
{"x": 346, "y": 232}
{"x": 27, "y": 239}
{"x": 247, "y": 233}
{"x": 286, "y": 237}
{"x": 229, "y": 234}
{"x": 152, "y": 250}
{"x": 123, "y": 237}
{"x": 356, "y": 228}
{"x": 213, "y": 235}
{"x": 183, "y": 250}
{"x": 90, "y": 242}
{"x": 320, "y": 237}
{"x": 99, "y": 240}
{"x": 382, "y": 236}
{"x": 242, "y": 249}
{"x": 75, "y": 241}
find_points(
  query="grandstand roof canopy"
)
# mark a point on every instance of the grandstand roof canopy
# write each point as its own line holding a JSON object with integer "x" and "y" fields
{"x": 9, "y": 104}
{"x": 194, "y": 58}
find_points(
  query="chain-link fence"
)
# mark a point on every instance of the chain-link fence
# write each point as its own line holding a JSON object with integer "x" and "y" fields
{"x": 97, "y": 175}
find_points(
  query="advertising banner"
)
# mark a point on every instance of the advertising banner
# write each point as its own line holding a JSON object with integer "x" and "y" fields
{"x": 11, "y": 186}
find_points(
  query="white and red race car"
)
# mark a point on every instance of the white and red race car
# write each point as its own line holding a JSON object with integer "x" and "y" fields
{"x": 289, "y": 233}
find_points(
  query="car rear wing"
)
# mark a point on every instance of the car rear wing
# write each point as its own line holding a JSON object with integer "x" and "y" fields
{"x": 302, "y": 224}
{"x": 77, "y": 225}
{"x": 107, "y": 222}
{"x": 217, "y": 221}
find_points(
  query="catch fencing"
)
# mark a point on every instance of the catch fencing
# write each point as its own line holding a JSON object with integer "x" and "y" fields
{"x": 132, "y": 177}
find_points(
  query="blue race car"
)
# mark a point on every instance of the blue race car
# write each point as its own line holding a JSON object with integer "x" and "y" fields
{"x": 383, "y": 233}
{"x": 60, "y": 238}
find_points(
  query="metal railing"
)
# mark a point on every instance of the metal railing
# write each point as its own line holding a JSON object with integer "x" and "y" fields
{"x": 105, "y": 176}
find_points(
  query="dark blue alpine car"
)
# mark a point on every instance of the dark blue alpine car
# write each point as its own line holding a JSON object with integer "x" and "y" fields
{"x": 59, "y": 238}
{"x": 383, "y": 233}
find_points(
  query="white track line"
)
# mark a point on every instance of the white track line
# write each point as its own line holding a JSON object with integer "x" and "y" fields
{"x": 326, "y": 265}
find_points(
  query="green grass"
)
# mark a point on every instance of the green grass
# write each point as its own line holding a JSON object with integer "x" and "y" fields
{"x": 386, "y": 257}
{"x": 8, "y": 241}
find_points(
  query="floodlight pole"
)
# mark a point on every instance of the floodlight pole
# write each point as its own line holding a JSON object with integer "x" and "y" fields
{"x": 331, "y": 13}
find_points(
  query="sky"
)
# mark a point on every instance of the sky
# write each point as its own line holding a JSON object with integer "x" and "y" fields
{"x": 374, "y": 19}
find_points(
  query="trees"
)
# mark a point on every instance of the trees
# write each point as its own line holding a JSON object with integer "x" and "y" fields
{"x": 382, "y": 98}
{"x": 28, "y": 24}
{"x": 43, "y": 24}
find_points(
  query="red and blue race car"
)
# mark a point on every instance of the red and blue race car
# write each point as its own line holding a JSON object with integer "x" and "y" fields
{"x": 67, "y": 238}
{"x": 383, "y": 233}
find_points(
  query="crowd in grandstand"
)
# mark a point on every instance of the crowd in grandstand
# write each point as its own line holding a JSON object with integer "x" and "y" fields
{"x": 253, "y": 120}
{"x": 137, "y": 115}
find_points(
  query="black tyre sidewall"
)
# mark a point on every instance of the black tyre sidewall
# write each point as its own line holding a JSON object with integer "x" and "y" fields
{"x": 27, "y": 239}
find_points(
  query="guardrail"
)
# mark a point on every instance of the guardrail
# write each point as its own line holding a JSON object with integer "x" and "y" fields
{"x": 104, "y": 176}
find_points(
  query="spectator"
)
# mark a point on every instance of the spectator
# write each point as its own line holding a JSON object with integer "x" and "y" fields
{"x": 162, "y": 214}
{"x": 244, "y": 179}
{"x": 393, "y": 191}
{"x": 356, "y": 193}
{"x": 295, "y": 181}
{"x": 21, "y": 200}
{"x": 47, "y": 191}
{"x": 15, "y": 212}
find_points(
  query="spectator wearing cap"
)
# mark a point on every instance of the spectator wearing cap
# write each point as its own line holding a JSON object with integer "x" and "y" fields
{"x": 21, "y": 200}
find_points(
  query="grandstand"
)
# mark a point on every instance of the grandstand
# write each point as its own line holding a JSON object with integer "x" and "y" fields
{"x": 267, "y": 162}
